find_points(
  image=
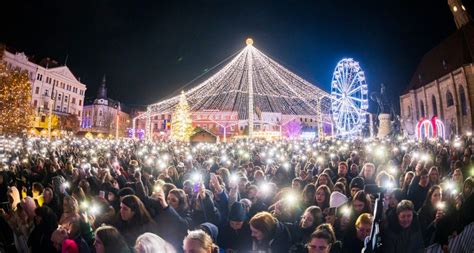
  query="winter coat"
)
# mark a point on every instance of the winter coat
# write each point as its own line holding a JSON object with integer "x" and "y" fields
{"x": 426, "y": 216}
{"x": 402, "y": 240}
{"x": 238, "y": 240}
{"x": 280, "y": 242}
{"x": 416, "y": 193}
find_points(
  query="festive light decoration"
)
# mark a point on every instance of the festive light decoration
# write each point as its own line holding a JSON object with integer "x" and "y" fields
{"x": 16, "y": 113}
{"x": 181, "y": 127}
{"x": 252, "y": 82}
{"x": 349, "y": 93}
{"x": 433, "y": 128}
{"x": 54, "y": 122}
{"x": 292, "y": 129}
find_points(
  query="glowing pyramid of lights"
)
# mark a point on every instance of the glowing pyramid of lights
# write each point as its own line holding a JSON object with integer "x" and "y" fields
{"x": 252, "y": 81}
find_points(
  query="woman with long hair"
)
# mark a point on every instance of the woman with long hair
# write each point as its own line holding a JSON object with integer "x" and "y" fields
{"x": 133, "y": 219}
{"x": 70, "y": 210}
{"x": 109, "y": 240}
{"x": 323, "y": 194}
{"x": 269, "y": 234}
{"x": 361, "y": 204}
{"x": 431, "y": 212}
{"x": 301, "y": 230}
{"x": 308, "y": 195}
{"x": 324, "y": 179}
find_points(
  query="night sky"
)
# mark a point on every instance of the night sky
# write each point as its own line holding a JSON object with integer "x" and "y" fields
{"x": 150, "y": 49}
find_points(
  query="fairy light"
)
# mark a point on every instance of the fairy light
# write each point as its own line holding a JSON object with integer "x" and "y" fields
{"x": 15, "y": 96}
{"x": 270, "y": 79}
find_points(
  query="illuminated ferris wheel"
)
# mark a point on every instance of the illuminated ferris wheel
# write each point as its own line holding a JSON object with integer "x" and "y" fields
{"x": 349, "y": 94}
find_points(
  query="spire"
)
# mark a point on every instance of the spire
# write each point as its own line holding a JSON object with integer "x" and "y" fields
{"x": 102, "y": 92}
{"x": 461, "y": 16}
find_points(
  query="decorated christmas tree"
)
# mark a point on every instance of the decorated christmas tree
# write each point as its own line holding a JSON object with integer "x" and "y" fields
{"x": 181, "y": 124}
{"x": 16, "y": 113}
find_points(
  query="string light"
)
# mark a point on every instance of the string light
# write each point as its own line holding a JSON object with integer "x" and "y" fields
{"x": 181, "y": 126}
{"x": 274, "y": 89}
{"x": 16, "y": 113}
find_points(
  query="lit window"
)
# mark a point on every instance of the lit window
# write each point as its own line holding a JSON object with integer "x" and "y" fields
{"x": 463, "y": 8}
{"x": 455, "y": 8}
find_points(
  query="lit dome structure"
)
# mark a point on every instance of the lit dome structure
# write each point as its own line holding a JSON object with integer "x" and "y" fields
{"x": 251, "y": 83}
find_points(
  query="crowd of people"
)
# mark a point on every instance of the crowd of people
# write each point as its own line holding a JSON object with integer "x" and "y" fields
{"x": 99, "y": 195}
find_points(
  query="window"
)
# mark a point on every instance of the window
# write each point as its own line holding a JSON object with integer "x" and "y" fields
{"x": 80, "y": 102}
{"x": 435, "y": 107}
{"x": 462, "y": 97}
{"x": 408, "y": 111}
{"x": 59, "y": 96}
{"x": 46, "y": 92}
{"x": 65, "y": 98}
{"x": 73, "y": 100}
{"x": 156, "y": 117}
{"x": 449, "y": 99}
{"x": 35, "y": 103}
{"x": 58, "y": 107}
{"x": 79, "y": 113}
{"x": 422, "y": 109}
{"x": 37, "y": 90}
{"x": 455, "y": 8}
{"x": 100, "y": 113}
{"x": 64, "y": 109}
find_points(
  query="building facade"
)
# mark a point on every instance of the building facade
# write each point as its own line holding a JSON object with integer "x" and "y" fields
{"x": 105, "y": 116}
{"x": 443, "y": 83}
{"x": 52, "y": 87}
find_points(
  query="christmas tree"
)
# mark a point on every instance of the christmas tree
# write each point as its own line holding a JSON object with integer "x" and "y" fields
{"x": 16, "y": 113}
{"x": 181, "y": 125}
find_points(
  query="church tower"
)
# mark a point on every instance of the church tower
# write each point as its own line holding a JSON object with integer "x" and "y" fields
{"x": 102, "y": 92}
{"x": 461, "y": 17}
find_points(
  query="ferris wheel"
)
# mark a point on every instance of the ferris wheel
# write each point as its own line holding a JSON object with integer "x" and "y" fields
{"x": 349, "y": 94}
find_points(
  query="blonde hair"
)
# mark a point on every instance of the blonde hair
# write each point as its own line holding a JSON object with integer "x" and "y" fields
{"x": 205, "y": 241}
{"x": 70, "y": 205}
{"x": 365, "y": 218}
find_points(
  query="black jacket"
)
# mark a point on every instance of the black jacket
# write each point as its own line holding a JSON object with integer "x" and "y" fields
{"x": 238, "y": 240}
{"x": 280, "y": 242}
{"x": 396, "y": 239}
